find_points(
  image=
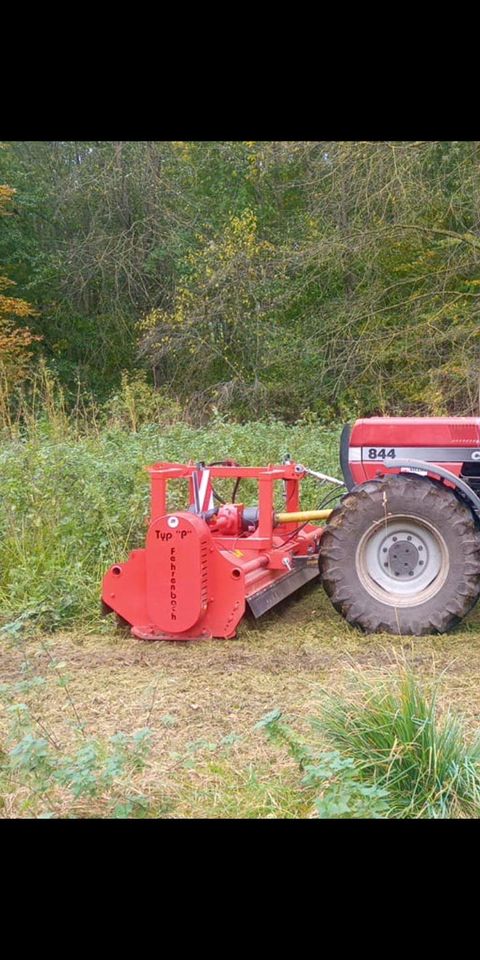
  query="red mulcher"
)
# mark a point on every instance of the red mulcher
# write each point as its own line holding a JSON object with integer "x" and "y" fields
{"x": 201, "y": 567}
{"x": 400, "y": 553}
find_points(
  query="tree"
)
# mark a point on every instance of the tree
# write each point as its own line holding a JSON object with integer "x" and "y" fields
{"x": 15, "y": 341}
{"x": 292, "y": 278}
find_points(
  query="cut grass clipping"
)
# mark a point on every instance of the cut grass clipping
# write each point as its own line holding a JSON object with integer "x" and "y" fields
{"x": 393, "y": 757}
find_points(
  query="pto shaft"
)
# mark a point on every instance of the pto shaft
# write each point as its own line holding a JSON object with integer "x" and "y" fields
{"x": 302, "y": 516}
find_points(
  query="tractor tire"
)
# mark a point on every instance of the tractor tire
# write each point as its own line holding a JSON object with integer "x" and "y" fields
{"x": 401, "y": 555}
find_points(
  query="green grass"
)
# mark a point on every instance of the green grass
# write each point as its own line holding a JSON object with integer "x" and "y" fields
{"x": 397, "y": 741}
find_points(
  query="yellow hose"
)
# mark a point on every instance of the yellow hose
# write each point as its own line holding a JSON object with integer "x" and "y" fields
{"x": 302, "y": 516}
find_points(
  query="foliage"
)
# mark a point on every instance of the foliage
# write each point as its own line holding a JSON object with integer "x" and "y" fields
{"x": 14, "y": 340}
{"x": 222, "y": 319}
{"x": 297, "y": 277}
{"x": 333, "y": 780}
{"x": 89, "y": 771}
{"x": 396, "y": 738}
{"x": 136, "y": 404}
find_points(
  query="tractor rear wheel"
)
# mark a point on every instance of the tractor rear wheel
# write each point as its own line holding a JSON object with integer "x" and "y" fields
{"x": 401, "y": 554}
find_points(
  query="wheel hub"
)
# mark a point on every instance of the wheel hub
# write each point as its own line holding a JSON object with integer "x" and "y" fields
{"x": 402, "y": 560}
{"x": 404, "y": 557}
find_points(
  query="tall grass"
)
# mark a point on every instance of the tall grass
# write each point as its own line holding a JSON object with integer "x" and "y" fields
{"x": 397, "y": 741}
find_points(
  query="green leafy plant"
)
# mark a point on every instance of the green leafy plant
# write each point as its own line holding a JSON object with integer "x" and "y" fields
{"x": 96, "y": 775}
{"x": 137, "y": 403}
{"x": 342, "y": 794}
{"x": 94, "y": 772}
{"x": 333, "y": 780}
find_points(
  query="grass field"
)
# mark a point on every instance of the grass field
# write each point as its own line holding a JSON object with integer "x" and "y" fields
{"x": 96, "y": 724}
{"x": 202, "y": 701}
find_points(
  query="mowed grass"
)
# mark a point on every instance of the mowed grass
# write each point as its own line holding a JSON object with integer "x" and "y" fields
{"x": 202, "y": 702}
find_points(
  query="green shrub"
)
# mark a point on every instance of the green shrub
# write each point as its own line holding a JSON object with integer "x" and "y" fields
{"x": 137, "y": 403}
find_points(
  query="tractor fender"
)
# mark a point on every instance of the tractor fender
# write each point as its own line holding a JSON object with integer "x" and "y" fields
{"x": 422, "y": 468}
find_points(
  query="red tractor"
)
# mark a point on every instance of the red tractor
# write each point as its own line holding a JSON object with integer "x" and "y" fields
{"x": 399, "y": 554}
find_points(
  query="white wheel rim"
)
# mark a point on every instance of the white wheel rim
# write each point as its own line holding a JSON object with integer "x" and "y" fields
{"x": 402, "y": 561}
